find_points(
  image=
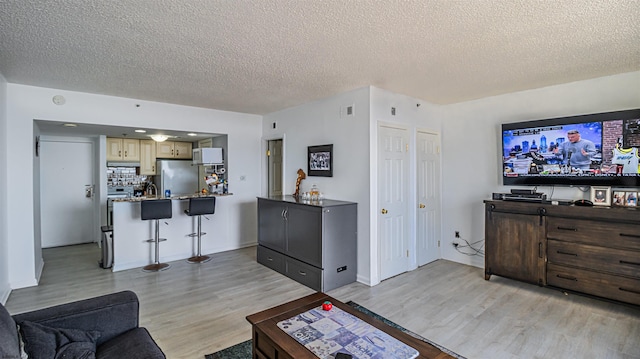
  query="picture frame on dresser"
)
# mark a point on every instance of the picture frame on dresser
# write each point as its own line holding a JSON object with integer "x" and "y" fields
{"x": 631, "y": 199}
{"x": 601, "y": 196}
{"x": 619, "y": 198}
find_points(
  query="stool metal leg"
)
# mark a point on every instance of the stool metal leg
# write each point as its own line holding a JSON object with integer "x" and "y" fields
{"x": 156, "y": 266}
{"x": 199, "y": 258}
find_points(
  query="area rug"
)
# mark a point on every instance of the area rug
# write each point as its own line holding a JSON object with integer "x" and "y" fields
{"x": 243, "y": 350}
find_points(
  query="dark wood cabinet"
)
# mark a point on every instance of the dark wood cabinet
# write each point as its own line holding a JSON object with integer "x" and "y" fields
{"x": 515, "y": 244}
{"x": 593, "y": 250}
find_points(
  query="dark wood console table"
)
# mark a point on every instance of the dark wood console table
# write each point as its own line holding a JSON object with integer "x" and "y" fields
{"x": 593, "y": 250}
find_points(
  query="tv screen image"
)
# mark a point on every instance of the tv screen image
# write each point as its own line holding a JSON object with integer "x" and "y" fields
{"x": 596, "y": 149}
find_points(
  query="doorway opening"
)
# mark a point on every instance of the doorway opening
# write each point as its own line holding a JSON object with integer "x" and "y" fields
{"x": 274, "y": 167}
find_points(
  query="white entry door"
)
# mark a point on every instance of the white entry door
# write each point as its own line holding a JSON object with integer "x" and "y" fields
{"x": 393, "y": 169}
{"x": 428, "y": 212}
{"x": 66, "y": 193}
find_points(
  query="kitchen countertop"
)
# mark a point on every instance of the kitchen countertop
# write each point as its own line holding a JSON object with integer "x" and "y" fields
{"x": 151, "y": 198}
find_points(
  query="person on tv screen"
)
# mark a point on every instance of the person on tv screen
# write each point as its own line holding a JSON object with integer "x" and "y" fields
{"x": 576, "y": 152}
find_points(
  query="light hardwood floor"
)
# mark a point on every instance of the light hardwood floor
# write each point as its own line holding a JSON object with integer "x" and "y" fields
{"x": 193, "y": 310}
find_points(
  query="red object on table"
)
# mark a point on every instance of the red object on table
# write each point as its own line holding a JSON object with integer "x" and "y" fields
{"x": 327, "y": 305}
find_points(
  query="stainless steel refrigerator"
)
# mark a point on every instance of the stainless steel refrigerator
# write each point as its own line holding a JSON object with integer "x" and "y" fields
{"x": 178, "y": 176}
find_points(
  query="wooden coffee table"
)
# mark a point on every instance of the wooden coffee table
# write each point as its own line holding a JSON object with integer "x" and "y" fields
{"x": 270, "y": 342}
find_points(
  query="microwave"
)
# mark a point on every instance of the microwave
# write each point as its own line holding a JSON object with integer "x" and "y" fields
{"x": 207, "y": 155}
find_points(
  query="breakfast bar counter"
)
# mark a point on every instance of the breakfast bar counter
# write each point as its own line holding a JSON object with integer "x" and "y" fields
{"x": 130, "y": 232}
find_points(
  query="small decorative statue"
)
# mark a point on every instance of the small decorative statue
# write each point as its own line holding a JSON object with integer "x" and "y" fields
{"x": 301, "y": 176}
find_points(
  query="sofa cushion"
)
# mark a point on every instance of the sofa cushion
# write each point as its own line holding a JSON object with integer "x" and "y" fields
{"x": 9, "y": 344}
{"x": 136, "y": 344}
{"x": 41, "y": 341}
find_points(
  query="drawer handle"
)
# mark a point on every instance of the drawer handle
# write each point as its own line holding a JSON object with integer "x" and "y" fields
{"x": 302, "y": 273}
{"x": 567, "y": 253}
{"x": 629, "y": 290}
{"x": 567, "y": 277}
{"x": 567, "y": 229}
{"x": 632, "y": 263}
{"x": 540, "y": 253}
{"x": 270, "y": 259}
{"x": 629, "y": 235}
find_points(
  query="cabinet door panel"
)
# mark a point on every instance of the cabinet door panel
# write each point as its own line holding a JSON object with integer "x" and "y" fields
{"x": 183, "y": 150}
{"x": 304, "y": 234}
{"x": 164, "y": 149}
{"x": 515, "y": 246}
{"x": 114, "y": 149}
{"x": 147, "y": 157}
{"x": 131, "y": 149}
{"x": 271, "y": 225}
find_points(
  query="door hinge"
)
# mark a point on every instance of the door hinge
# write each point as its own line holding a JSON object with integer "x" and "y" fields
{"x": 407, "y": 146}
{"x": 438, "y": 244}
{"x": 407, "y": 253}
{"x": 268, "y": 153}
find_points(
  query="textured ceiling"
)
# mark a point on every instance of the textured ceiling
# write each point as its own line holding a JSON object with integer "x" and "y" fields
{"x": 260, "y": 56}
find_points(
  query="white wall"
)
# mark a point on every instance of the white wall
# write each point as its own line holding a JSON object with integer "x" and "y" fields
{"x": 471, "y": 145}
{"x": 355, "y": 152}
{"x": 26, "y": 103}
{"x": 320, "y": 123}
{"x": 5, "y": 288}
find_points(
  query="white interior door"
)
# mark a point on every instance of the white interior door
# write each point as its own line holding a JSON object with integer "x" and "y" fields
{"x": 275, "y": 167}
{"x": 66, "y": 193}
{"x": 393, "y": 169}
{"x": 428, "y": 192}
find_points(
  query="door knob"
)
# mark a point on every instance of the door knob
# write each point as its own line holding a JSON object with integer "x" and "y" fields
{"x": 384, "y": 211}
{"x": 422, "y": 205}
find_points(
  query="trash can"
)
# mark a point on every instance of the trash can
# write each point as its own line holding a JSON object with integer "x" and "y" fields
{"x": 107, "y": 247}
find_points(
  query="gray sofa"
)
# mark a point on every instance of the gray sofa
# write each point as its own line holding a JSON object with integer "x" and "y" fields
{"x": 101, "y": 327}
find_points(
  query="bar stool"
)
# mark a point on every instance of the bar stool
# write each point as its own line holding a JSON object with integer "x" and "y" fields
{"x": 199, "y": 206}
{"x": 156, "y": 209}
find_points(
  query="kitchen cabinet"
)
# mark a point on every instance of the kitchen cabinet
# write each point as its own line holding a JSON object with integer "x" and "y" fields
{"x": 170, "y": 149}
{"x": 123, "y": 149}
{"x": 312, "y": 243}
{"x": 147, "y": 157}
{"x": 591, "y": 250}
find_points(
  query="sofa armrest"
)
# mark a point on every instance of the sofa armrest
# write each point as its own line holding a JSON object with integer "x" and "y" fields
{"x": 111, "y": 314}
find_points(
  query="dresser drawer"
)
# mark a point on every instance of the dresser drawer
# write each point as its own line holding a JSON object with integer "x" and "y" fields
{"x": 614, "y": 261}
{"x": 304, "y": 273}
{"x": 599, "y": 284}
{"x": 271, "y": 259}
{"x": 609, "y": 234}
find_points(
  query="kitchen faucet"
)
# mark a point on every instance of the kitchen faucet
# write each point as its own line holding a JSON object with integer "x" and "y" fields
{"x": 155, "y": 190}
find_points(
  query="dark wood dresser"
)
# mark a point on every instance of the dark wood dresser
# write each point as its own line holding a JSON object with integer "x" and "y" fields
{"x": 592, "y": 250}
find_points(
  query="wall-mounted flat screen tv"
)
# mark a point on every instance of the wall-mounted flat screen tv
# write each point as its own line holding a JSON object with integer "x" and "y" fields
{"x": 597, "y": 149}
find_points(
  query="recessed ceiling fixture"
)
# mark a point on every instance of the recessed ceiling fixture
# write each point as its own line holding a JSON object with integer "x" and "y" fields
{"x": 140, "y": 131}
{"x": 192, "y": 134}
{"x": 159, "y": 138}
{"x": 69, "y": 125}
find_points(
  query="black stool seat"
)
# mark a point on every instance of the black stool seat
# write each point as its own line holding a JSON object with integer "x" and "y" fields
{"x": 199, "y": 206}
{"x": 156, "y": 210}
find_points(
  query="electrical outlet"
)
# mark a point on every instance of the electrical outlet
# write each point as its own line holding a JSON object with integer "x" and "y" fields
{"x": 457, "y": 234}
